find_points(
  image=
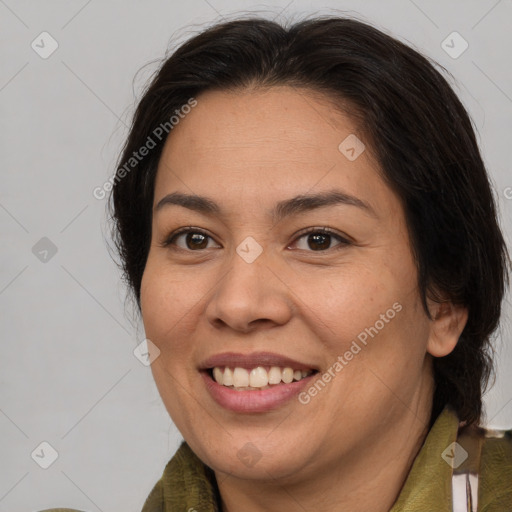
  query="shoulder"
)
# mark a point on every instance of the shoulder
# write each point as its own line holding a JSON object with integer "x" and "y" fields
{"x": 488, "y": 454}
{"x": 495, "y": 485}
{"x": 497, "y": 452}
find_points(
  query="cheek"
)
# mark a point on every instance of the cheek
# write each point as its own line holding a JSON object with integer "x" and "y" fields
{"x": 167, "y": 306}
{"x": 377, "y": 306}
{"x": 167, "y": 314}
{"x": 347, "y": 301}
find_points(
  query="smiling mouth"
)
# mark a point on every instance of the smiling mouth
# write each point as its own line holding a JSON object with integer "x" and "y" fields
{"x": 257, "y": 378}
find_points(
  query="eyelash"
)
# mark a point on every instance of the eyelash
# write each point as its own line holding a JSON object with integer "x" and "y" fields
{"x": 319, "y": 230}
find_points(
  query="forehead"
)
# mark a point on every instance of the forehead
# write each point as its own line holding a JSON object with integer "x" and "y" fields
{"x": 274, "y": 119}
{"x": 279, "y": 139}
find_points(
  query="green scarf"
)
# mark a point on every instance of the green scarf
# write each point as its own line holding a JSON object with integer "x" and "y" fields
{"x": 188, "y": 485}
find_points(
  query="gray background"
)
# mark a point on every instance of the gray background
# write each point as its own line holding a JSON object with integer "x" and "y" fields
{"x": 68, "y": 373}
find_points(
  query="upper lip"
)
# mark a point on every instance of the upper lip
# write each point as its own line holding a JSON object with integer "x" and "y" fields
{"x": 234, "y": 359}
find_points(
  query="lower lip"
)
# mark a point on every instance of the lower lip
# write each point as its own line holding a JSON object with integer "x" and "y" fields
{"x": 254, "y": 401}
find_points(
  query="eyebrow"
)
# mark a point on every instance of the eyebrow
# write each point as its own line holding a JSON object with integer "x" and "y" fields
{"x": 288, "y": 207}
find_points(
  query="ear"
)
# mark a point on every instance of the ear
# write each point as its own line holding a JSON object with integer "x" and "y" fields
{"x": 448, "y": 322}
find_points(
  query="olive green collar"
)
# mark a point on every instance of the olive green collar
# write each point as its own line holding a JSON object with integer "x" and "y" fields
{"x": 188, "y": 484}
{"x": 429, "y": 483}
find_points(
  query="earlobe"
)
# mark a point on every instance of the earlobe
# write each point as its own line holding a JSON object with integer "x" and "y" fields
{"x": 448, "y": 322}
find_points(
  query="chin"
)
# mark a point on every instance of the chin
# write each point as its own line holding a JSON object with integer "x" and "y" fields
{"x": 251, "y": 457}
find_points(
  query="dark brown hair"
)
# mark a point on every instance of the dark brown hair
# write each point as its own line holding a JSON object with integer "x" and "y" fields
{"x": 414, "y": 123}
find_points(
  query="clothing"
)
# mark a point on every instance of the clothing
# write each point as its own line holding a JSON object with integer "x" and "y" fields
{"x": 188, "y": 485}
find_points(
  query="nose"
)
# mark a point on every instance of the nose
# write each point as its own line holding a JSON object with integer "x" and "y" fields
{"x": 250, "y": 296}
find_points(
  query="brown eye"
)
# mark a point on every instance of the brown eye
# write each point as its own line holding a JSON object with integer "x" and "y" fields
{"x": 320, "y": 240}
{"x": 196, "y": 241}
{"x": 191, "y": 240}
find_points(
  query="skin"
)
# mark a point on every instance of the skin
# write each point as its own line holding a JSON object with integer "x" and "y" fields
{"x": 352, "y": 446}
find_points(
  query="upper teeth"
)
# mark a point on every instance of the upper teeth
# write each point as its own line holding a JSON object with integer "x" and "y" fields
{"x": 258, "y": 377}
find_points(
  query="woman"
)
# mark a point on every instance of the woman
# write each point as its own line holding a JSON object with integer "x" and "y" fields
{"x": 308, "y": 229}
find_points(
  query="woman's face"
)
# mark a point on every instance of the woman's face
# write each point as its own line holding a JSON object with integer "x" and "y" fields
{"x": 256, "y": 281}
